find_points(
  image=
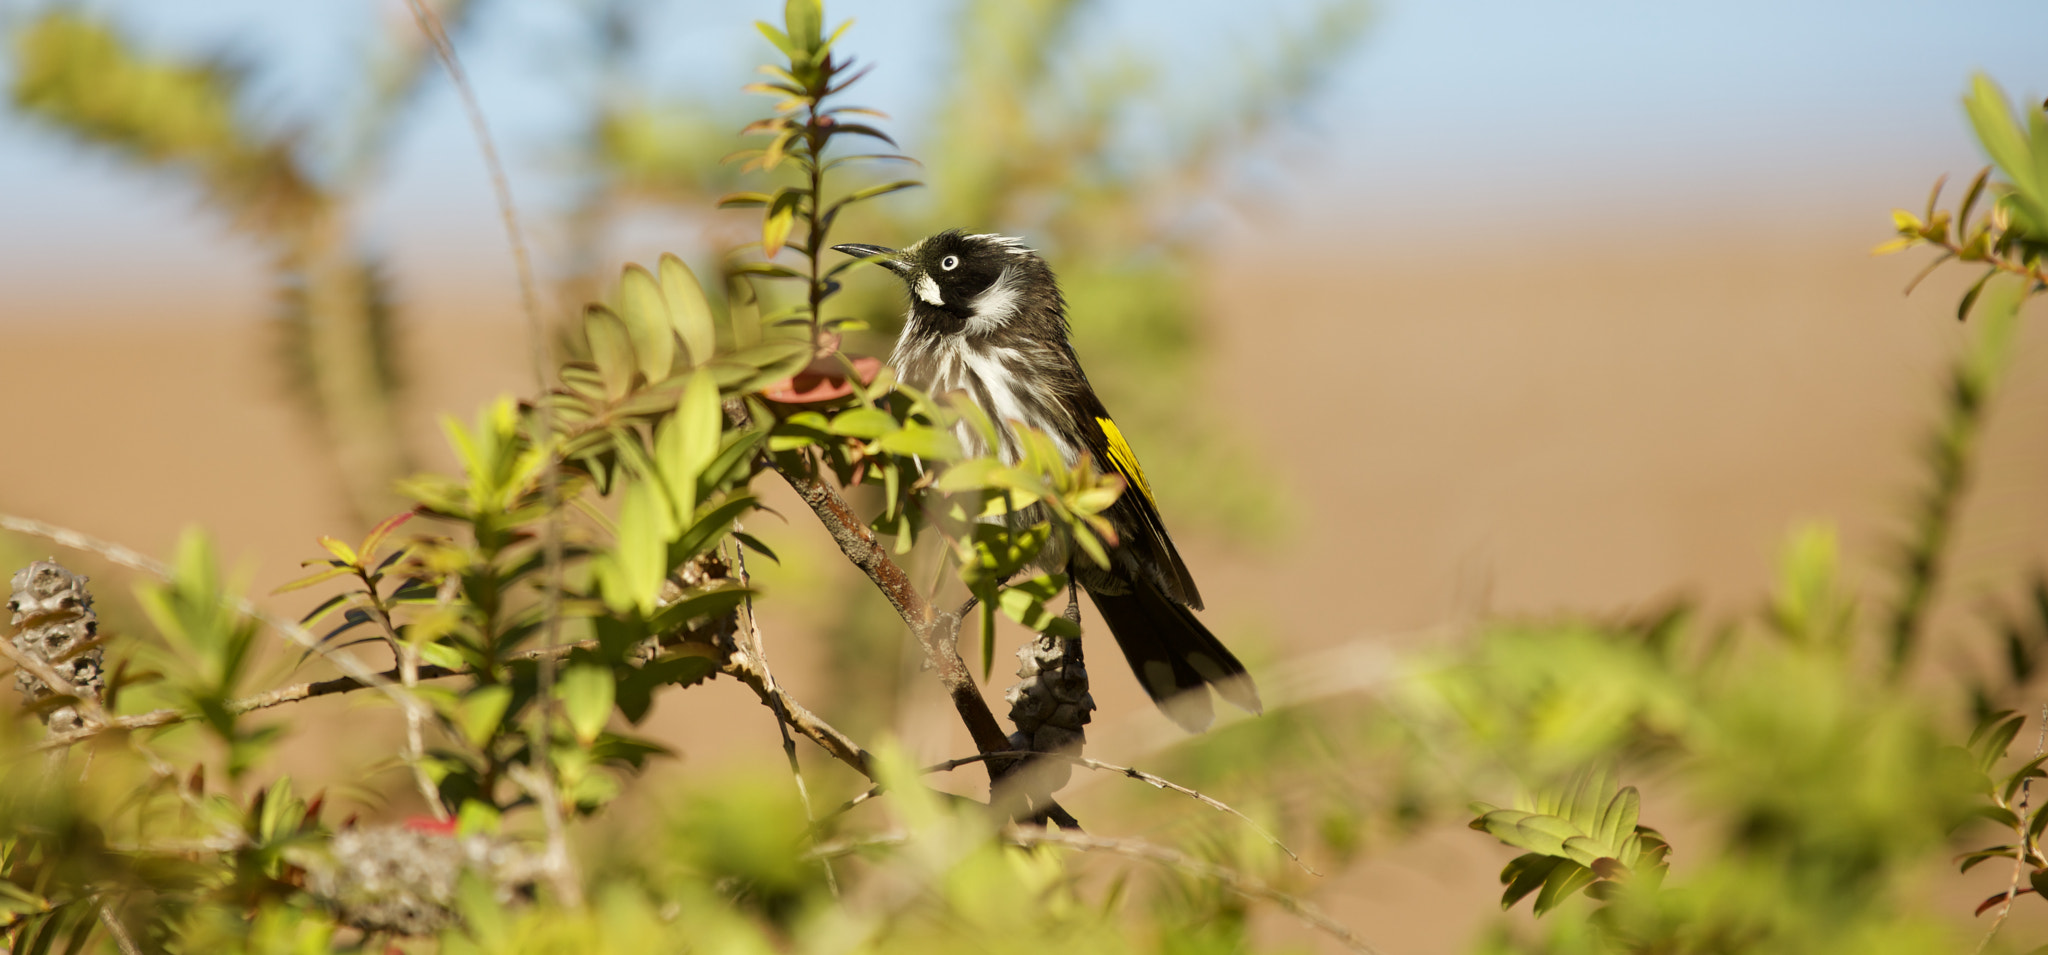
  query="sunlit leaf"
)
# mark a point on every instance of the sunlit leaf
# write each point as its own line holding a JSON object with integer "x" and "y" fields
{"x": 688, "y": 309}
{"x": 586, "y": 694}
{"x": 650, "y": 327}
{"x": 612, "y": 349}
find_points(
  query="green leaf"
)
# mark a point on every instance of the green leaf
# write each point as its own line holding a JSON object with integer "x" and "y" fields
{"x": 1997, "y": 741}
{"x": 710, "y": 527}
{"x": 1970, "y": 297}
{"x": 477, "y": 817}
{"x": 15, "y": 900}
{"x": 2010, "y": 149}
{"x": 641, "y": 558}
{"x": 341, "y": 551}
{"x": 1991, "y": 348}
{"x": 1525, "y": 874}
{"x": 1535, "y": 832}
{"x": 326, "y": 607}
{"x": 777, "y": 37}
{"x": 1618, "y": 821}
{"x": 611, "y": 348}
{"x": 988, "y": 641}
{"x": 688, "y": 309}
{"x": 863, "y": 130}
{"x": 2032, "y": 770}
{"x": 1998, "y": 814}
{"x": 773, "y": 271}
{"x": 931, "y": 444}
{"x": 481, "y": 710}
{"x": 1984, "y": 726}
{"x": 754, "y": 544}
{"x": 688, "y": 442}
{"x": 805, "y": 20}
{"x": 861, "y": 195}
{"x": 734, "y": 462}
{"x": 781, "y": 216}
{"x": 586, "y": 694}
{"x": 1971, "y": 860}
{"x": 1583, "y": 850}
{"x": 636, "y": 692}
{"x": 1559, "y": 886}
{"x": 710, "y": 602}
{"x": 1024, "y": 602}
{"x": 318, "y": 577}
{"x": 648, "y": 324}
{"x": 1970, "y": 197}
{"x": 864, "y": 423}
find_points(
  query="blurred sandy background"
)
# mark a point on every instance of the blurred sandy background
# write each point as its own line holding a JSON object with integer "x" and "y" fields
{"x": 1576, "y": 313}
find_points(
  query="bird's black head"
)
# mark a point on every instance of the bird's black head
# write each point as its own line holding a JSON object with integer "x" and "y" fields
{"x": 968, "y": 283}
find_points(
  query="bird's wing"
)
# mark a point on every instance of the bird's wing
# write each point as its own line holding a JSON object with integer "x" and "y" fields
{"x": 1135, "y": 513}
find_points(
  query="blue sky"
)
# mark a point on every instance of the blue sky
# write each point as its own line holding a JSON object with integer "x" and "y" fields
{"x": 1505, "y": 113}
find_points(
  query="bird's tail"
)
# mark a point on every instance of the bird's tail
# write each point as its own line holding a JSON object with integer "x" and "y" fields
{"x": 1174, "y": 656}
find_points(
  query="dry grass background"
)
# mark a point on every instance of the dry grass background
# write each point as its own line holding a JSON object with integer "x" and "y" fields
{"x": 1589, "y": 423}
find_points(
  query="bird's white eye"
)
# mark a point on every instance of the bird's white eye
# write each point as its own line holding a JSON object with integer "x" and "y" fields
{"x": 949, "y": 263}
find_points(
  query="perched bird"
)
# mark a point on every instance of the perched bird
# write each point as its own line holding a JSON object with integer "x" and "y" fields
{"x": 986, "y": 318}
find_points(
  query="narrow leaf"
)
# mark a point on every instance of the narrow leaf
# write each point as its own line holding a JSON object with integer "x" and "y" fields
{"x": 688, "y": 309}
{"x": 612, "y": 348}
{"x": 648, "y": 324}
{"x": 586, "y": 693}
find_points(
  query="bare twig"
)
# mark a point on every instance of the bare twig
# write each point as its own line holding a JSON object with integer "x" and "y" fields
{"x": 1248, "y": 886}
{"x": 756, "y": 648}
{"x": 295, "y": 693}
{"x": 936, "y": 631}
{"x": 559, "y": 866}
{"x": 1127, "y": 772}
{"x": 117, "y": 931}
{"x": 748, "y": 670}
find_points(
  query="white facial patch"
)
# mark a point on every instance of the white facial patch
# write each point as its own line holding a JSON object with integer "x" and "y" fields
{"x": 996, "y": 305}
{"x": 929, "y": 291}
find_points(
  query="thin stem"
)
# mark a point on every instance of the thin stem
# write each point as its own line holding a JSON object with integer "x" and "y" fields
{"x": 408, "y": 658}
{"x": 1157, "y": 782}
{"x": 757, "y": 648}
{"x": 135, "y": 560}
{"x": 936, "y": 632}
{"x": 117, "y": 931}
{"x": 560, "y": 866}
{"x": 415, "y": 736}
{"x": 747, "y": 670}
{"x": 295, "y": 693}
{"x": 1248, "y": 886}
{"x": 1951, "y": 453}
{"x": 2019, "y": 854}
{"x": 1998, "y": 262}
{"x": 814, "y": 237}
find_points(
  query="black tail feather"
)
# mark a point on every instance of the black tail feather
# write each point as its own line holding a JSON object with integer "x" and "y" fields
{"x": 1175, "y": 658}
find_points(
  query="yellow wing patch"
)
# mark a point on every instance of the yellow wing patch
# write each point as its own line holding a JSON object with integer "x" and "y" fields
{"x": 1121, "y": 458}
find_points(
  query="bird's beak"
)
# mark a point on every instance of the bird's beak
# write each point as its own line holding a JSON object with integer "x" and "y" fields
{"x": 888, "y": 260}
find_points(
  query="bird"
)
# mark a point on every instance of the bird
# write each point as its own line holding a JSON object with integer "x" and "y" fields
{"x": 987, "y": 318}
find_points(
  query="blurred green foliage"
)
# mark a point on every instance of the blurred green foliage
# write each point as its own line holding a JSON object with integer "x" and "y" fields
{"x": 1789, "y": 781}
